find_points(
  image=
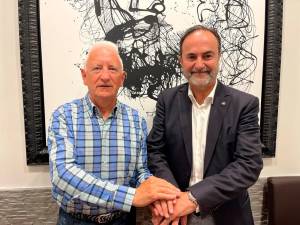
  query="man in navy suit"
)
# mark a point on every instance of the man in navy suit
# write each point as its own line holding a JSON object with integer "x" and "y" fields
{"x": 205, "y": 140}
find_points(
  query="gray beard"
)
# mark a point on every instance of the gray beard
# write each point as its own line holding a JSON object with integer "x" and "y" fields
{"x": 200, "y": 84}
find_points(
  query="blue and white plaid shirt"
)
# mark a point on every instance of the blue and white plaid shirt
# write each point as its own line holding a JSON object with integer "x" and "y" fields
{"x": 95, "y": 165}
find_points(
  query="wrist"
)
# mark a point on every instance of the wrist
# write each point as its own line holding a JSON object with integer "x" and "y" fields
{"x": 194, "y": 201}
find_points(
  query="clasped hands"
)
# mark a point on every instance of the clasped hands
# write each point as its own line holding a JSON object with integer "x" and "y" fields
{"x": 173, "y": 211}
{"x": 168, "y": 204}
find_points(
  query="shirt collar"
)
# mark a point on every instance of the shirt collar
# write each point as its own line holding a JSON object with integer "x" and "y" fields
{"x": 208, "y": 100}
{"x": 93, "y": 110}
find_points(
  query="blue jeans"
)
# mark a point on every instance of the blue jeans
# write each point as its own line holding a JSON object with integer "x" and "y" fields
{"x": 66, "y": 219}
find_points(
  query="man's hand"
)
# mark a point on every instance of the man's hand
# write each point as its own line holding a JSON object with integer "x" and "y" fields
{"x": 183, "y": 221}
{"x": 156, "y": 217}
{"x": 183, "y": 207}
{"x": 154, "y": 189}
{"x": 163, "y": 208}
{"x": 158, "y": 220}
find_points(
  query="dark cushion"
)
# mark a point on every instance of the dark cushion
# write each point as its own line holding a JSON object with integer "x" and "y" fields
{"x": 283, "y": 197}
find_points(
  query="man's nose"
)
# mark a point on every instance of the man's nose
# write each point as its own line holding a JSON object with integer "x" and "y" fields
{"x": 104, "y": 74}
{"x": 199, "y": 63}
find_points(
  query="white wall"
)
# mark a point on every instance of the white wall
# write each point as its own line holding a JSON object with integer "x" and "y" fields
{"x": 14, "y": 173}
{"x": 287, "y": 160}
{"x": 13, "y": 170}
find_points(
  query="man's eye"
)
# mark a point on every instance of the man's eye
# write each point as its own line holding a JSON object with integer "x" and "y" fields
{"x": 96, "y": 69}
{"x": 208, "y": 56}
{"x": 191, "y": 57}
{"x": 113, "y": 69}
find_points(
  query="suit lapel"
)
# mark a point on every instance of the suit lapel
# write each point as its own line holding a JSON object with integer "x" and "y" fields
{"x": 185, "y": 115}
{"x": 217, "y": 112}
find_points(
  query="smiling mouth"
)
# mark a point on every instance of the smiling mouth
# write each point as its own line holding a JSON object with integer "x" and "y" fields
{"x": 200, "y": 72}
{"x": 104, "y": 86}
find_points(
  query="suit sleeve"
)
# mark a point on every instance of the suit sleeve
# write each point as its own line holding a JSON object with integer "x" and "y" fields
{"x": 244, "y": 168}
{"x": 156, "y": 142}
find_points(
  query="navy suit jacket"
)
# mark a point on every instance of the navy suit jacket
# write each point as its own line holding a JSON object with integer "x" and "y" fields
{"x": 232, "y": 160}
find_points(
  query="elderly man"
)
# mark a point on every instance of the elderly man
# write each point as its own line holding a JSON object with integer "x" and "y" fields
{"x": 97, "y": 150}
{"x": 205, "y": 140}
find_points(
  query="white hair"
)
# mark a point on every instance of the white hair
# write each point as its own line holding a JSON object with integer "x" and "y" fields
{"x": 104, "y": 44}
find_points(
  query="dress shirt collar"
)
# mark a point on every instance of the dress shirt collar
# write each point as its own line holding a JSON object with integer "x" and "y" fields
{"x": 94, "y": 111}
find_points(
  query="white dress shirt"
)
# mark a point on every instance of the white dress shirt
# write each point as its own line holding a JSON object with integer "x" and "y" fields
{"x": 200, "y": 116}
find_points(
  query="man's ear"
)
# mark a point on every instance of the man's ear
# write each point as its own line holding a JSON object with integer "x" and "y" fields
{"x": 83, "y": 75}
{"x": 124, "y": 77}
{"x": 180, "y": 60}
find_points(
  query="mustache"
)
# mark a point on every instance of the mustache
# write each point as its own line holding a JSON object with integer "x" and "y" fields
{"x": 204, "y": 70}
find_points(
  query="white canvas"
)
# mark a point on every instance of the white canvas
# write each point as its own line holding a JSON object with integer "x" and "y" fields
{"x": 70, "y": 27}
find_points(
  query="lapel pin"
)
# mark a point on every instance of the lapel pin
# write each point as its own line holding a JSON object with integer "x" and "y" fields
{"x": 223, "y": 103}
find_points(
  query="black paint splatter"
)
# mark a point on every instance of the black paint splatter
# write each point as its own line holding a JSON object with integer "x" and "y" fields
{"x": 149, "y": 45}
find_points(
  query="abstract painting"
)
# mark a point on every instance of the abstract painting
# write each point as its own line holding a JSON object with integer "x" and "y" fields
{"x": 147, "y": 34}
